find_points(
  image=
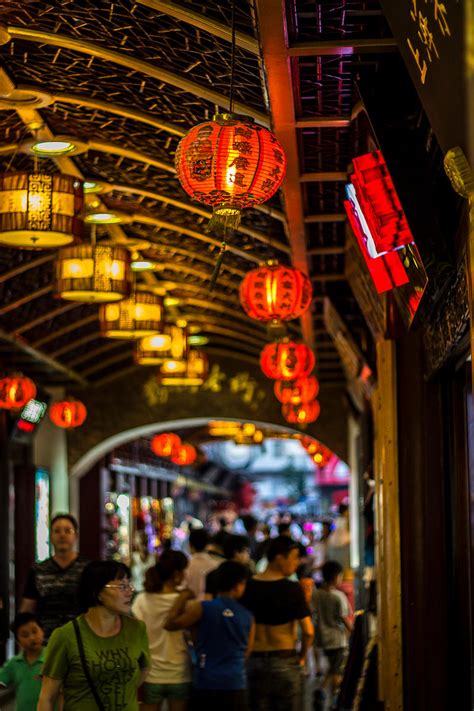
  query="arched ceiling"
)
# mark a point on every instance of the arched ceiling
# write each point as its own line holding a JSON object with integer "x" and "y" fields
{"x": 129, "y": 79}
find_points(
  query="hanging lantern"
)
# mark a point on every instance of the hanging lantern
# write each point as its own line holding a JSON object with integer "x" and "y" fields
{"x": 165, "y": 444}
{"x": 184, "y": 455}
{"x": 287, "y": 360}
{"x": 15, "y": 391}
{"x": 40, "y": 211}
{"x": 172, "y": 344}
{"x": 296, "y": 391}
{"x": 68, "y": 414}
{"x": 138, "y": 316}
{"x": 301, "y": 414}
{"x": 273, "y": 292}
{"x": 93, "y": 273}
{"x": 230, "y": 163}
{"x": 191, "y": 372}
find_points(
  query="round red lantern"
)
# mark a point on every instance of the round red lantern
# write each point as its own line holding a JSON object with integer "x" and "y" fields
{"x": 301, "y": 414}
{"x": 230, "y": 163}
{"x": 68, "y": 414}
{"x": 287, "y": 360}
{"x": 185, "y": 454}
{"x": 16, "y": 391}
{"x": 273, "y": 292}
{"x": 296, "y": 391}
{"x": 165, "y": 444}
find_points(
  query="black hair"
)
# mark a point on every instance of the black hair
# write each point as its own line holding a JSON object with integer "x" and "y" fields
{"x": 229, "y": 574}
{"x": 283, "y": 528}
{"x": 250, "y": 522}
{"x": 220, "y": 538}
{"x": 23, "y": 618}
{"x": 198, "y": 539}
{"x": 169, "y": 563}
{"x": 68, "y": 516}
{"x": 94, "y": 578}
{"x": 330, "y": 570}
{"x": 281, "y": 545}
{"x": 235, "y": 544}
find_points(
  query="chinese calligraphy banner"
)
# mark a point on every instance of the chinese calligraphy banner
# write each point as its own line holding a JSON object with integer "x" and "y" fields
{"x": 430, "y": 36}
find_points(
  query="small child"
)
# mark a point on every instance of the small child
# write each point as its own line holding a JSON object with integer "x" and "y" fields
{"x": 23, "y": 672}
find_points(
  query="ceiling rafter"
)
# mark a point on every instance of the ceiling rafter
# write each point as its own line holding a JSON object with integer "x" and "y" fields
{"x": 105, "y": 363}
{"x": 344, "y": 47}
{"x": 104, "y": 348}
{"x": 66, "y": 329}
{"x": 46, "y": 317}
{"x": 21, "y": 268}
{"x": 25, "y": 299}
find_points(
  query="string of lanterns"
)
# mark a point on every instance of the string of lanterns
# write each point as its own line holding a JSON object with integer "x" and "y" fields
{"x": 169, "y": 445}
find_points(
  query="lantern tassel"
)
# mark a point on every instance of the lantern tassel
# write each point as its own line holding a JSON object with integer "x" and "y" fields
{"x": 223, "y": 220}
{"x": 217, "y": 267}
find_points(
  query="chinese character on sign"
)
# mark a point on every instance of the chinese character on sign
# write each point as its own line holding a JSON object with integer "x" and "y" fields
{"x": 215, "y": 380}
{"x": 434, "y": 19}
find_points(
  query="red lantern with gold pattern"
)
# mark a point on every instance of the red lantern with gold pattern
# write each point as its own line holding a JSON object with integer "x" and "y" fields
{"x": 68, "y": 414}
{"x": 301, "y": 414}
{"x": 287, "y": 360}
{"x": 273, "y": 292}
{"x": 165, "y": 444}
{"x": 184, "y": 455}
{"x": 296, "y": 391}
{"x": 16, "y": 391}
{"x": 230, "y": 163}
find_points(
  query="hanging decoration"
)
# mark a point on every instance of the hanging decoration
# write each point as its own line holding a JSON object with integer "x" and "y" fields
{"x": 171, "y": 344}
{"x": 287, "y": 360}
{"x": 298, "y": 391}
{"x": 138, "y": 316}
{"x": 301, "y": 414}
{"x": 165, "y": 444}
{"x": 190, "y": 372}
{"x": 68, "y": 414}
{"x": 274, "y": 293}
{"x": 184, "y": 455}
{"x": 40, "y": 211}
{"x": 93, "y": 273}
{"x": 15, "y": 391}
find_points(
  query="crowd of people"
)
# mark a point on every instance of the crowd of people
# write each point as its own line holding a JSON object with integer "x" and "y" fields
{"x": 231, "y": 625}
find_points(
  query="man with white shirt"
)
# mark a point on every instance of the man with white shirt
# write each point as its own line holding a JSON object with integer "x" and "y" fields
{"x": 201, "y": 562}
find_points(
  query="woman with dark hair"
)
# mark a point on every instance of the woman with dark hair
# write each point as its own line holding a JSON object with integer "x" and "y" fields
{"x": 101, "y": 657}
{"x": 170, "y": 673}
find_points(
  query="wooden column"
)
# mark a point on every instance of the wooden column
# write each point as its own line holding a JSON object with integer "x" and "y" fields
{"x": 388, "y": 529}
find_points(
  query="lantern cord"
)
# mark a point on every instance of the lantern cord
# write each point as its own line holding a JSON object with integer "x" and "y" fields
{"x": 232, "y": 61}
{"x": 217, "y": 266}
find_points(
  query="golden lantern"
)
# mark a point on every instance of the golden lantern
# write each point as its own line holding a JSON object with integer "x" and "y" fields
{"x": 40, "y": 211}
{"x": 171, "y": 344}
{"x": 192, "y": 371}
{"x": 93, "y": 273}
{"x": 138, "y": 316}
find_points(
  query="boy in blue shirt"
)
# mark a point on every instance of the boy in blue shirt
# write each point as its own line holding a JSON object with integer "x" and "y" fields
{"x": 224, "y": 639}
{"x": 23, "y": 672}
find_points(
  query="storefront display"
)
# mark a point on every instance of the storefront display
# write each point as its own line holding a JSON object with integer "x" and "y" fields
{"x": 42, "y": 515}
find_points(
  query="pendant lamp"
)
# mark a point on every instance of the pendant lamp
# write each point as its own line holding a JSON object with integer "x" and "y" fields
{"x": 138, "y": 316}
{"x": 170, "y": 344}
{"x": 93, "y": 273}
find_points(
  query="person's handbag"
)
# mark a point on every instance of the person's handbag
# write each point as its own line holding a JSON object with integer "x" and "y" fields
{"x": 80, "y": 646}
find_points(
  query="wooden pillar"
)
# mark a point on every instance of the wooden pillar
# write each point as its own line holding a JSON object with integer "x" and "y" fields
{"x": 388, "y": 529}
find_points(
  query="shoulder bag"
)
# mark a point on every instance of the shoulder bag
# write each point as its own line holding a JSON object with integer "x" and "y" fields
{"x": 80, "y": 646}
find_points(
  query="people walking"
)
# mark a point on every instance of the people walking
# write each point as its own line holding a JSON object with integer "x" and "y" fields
{"x": 201, "y": 562}
{"x": 236, "y": 548}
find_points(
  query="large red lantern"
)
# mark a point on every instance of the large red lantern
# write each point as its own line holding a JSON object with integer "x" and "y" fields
{"x": 16, "y": 391}
{"x": 184, "y": 455}
{"x": 230, "y": 163}
{"x": 165, "y": 444}
{"x": 301, "y": 414}
{"x": 287, "y": 360}
{"x": 273, "y": 292}
{"x": 296, "y": 391}
{"x": 68, "y": 414}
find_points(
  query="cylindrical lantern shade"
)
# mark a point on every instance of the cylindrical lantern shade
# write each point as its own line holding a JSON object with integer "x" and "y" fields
{"x": 16, "y": 391}
{"x": 287, "y": 360}
{"x": 138, "y": 316}
{"x": 40, "y": 211}
{"x": 68, "y": 414}
{"x": 93, "y": 273}
{"x": 296, "y": 391}
{"x": 230, "y": 163}
{"x": 273, "y": 292}
{"x": 165, "y": 444}
{"x": 184, "y": 455}
{"x": 193, "y": 371}
{"x": 301, "y": 414}
{"x": 172, "y": 344}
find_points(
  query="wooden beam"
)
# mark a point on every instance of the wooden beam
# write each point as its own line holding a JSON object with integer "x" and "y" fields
{"x": 66, "y": 329}
{"x": 326, "y": 176}
{"x": 46, "y": 317}
{"x": 345, "y": 47}
{"x": 21, "y": 268}
{"x": 322, "y": 251}
{"x": 26, "y": 299}
{"x": 331, "y": 217}
{"x": 110, "y": 345}
{"x": 323, "y": 122}
{"x": 71, "y": 345}
{"x": 328, "y": 277}
{"x": 110, "y": 361}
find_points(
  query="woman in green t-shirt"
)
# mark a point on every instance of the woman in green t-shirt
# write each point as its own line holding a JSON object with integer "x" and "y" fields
{"x": 116, "y": 656}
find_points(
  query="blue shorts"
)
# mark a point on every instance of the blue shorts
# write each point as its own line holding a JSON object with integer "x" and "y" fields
{"x": 156, "y": 693}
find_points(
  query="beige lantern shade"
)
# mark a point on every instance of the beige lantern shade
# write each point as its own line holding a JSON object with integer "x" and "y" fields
{"x": 171, "y": 344}
{"x": 93, "y": 273}
{"x": 193, "y": 371}
{"x": 138, "y": 316}
{"x": 40, "y": 211}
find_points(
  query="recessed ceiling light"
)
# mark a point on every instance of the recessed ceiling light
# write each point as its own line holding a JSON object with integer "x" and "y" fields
{"x": 198, "y": 340}
{"x": 142, "y": 265}
{"x": 53, "y": 147}
{"x": 90, "y": 186}
{"x": 104, "y": 217}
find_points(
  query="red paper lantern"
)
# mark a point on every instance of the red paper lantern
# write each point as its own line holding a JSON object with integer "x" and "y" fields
{"x": 230, "y": 163}
{"x": 68, "y": 414}
{"x": 185, "y": 454}
{"x": 301, "y": 414}
{"x": 296, "y": 391}
{"x": 287, "y": 360}
{"x": 16, "y": 391}
{"x": 165, "y": 444}
{"x": 273, "y": 292}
